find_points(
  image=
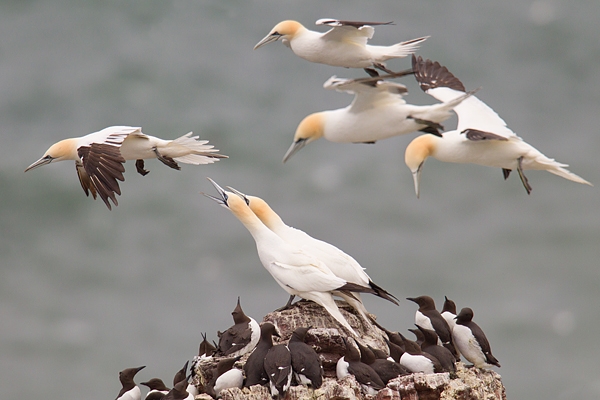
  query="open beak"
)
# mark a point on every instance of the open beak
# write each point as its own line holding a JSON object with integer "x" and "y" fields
{"x": 271, "y": 37}
{"x": 220, "y": 200}
{"x": 242, "y": 195}
{"x": 40, "y": 162}
{"x": 294, "y": 148}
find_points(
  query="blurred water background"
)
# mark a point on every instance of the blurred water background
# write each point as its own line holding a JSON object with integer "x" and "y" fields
{"x": 85, "y": 292}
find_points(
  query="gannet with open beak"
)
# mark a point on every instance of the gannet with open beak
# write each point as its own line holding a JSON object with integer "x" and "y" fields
{"x": 377, "y": 112}
{"x": 345, "y": 45}
{"x": 341, "y": 264}
{"x": 297, "y": 272}
{"x": 99, "y": 156}
{"x": 481, "y": 136}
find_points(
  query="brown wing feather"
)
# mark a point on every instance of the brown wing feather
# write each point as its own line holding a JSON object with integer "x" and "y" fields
{"x": 103, "y": 165}
{"x": 431, "y": 75}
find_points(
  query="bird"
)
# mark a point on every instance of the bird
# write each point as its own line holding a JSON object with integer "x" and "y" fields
{"x": 385, "y": 368}
{"x": 181, "y": 374}
{"x": 156, "y": 385}
{"x": 225, "y": 376}
{"x": 345, "y": 45}
{"x": 471, "y": 341}
{"x": 430, "y": 345}
{"x": 278, "y": 367}
{"x": 416, "y": 360}
{"x": 254, "y": 366}
{"x": 305, "y": 360}
{"x": 341, "y": 264}
{"x": 350, "y": 364}
{"x": 449, "y": 312}
{"x": 294, "y": 270}
{"x": 378, "y": 111}
{"x": 178, "y": 392}
{"x": 481, "y": 136}
{"x": 99, "y": 156}
{"x": 129, "y": 390}
{"x": 430, "y": 318}
{"x": 240, "y": 338}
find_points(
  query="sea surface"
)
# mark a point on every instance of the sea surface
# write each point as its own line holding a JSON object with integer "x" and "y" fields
{"x": 86, "y": 292}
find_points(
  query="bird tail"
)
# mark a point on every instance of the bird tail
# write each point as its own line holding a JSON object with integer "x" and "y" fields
{"x": 198, "y": 151}
{"x": 560, "y": 170}
{"x": 384, "y": 294}
{"x": 398, "y": 50}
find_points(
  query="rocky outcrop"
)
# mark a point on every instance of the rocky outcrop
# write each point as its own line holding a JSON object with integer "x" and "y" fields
{"x": 326, "y": 338}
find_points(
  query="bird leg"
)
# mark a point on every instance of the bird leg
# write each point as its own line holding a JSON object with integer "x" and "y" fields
{"x": 168, "y": 161}
{"x": 373, "y": 73}
{"x": 384, "y": 69}
{"x": 139, "y": 166}
{"x": 288, "y": 304}
{"x": 430, "y": 127}
{"x": 522, "y": 175}
{"x": 506, "y": 172}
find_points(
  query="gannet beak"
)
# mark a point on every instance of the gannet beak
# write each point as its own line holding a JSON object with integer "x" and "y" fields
{"x": 294, "y": 148}
{"x": 40, "y": 162}
{"x": 271, "y": 37}
{"x": 223, "y": 199}
{"x": 242, "y": 195}
{"x": 417, "y": 177}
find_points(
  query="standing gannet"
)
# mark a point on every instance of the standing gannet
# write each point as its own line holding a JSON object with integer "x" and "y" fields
{"x": 377, "y": 112}
{"x": 341, "y": 264}
{"x": 294, "y": 270}
{"x": 99, "y": 156}
{"x": 345, "y": 45}
{"x": 481, "y": 136}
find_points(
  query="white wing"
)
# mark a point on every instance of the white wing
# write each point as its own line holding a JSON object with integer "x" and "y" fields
{"x": 304, "y": 278}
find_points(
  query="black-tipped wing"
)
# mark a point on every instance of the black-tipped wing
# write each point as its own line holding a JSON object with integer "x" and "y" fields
{"x": 430, "y": 74}
{"x": 103, "y": 166}
{"x": 477, "y": 135}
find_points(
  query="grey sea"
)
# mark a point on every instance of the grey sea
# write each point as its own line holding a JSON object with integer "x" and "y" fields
{"x": 86, "y": 292}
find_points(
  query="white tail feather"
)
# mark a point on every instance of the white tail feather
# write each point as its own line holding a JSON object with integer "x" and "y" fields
{"x": 197, "y": 151}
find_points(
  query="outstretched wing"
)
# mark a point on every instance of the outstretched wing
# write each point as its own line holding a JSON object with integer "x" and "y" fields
{"x": 354, "y": 31}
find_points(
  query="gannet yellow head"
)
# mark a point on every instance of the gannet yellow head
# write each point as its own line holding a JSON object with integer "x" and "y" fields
{"x": 60, "y": 151}
{"x": 286, "y": 30}
{"x": 310, "y": 129}
{"x": 236, "y": 204}
{"x": 415, "y": 155}
{"x": 261, "y": 209}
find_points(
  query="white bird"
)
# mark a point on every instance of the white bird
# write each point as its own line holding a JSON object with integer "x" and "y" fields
{"x": 345, "y": 45}
{"x": 297, "y": 272}
{"x": 99, "y": 156}
{"x": 341, "y": 264}
{"x": 377, "y": 112}
{"x": 481, "y": 136}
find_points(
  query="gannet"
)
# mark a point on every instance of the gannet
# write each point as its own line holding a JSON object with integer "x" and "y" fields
{"x": 377, "y": 112}
{"x": 99, "y": 156}
{"x": 345, "y": 45}
{"x": 297, "y": 272}
{"x": 471, "y": 341}
{"x": 481, "y": 136}
{"x": 129, "y": 390}
{"x": 341, "y": 264}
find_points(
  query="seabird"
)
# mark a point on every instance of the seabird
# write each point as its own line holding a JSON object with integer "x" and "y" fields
{"x": 449, "y": 314}
{"x": 305, "y": 360}
{"x": 254, "y": 366}
{"x": 377, "y": 112}
{"x": 99, "y": 156}
{"x": 481, "y": 136}
{"x": 156, "y": 385}
{"x": 225, "y": 376}
{"x": 278, "y": 366}
{"x": 430, "y": 318}
{"x": 294, "y": 270}
{"x": 385, "y": 368}
{"x": 416, "y": 360}
{"x": 178, "y": 392}
{"x": 341, "y": 264}
{"x": 345, "y": 45}
{"x": 350, "y": 364}
{"x": 430, "y": 345}
{"x": 471, "y": 341}
{"x": 129, "y": 391}
{"x": 240, "y": 338}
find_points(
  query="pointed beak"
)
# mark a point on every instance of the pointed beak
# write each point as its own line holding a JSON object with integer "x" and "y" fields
{"x": 40, "y": 162}
{"x": 411, "y": 299}
{"x": 220, "y": 200}
{"x": 271, "y": 37}
{"x": 294, "y": 148}
{"x": 140, "y": 368}
{"x": 417, "y": 178}
{"x": 242, "y": 195}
